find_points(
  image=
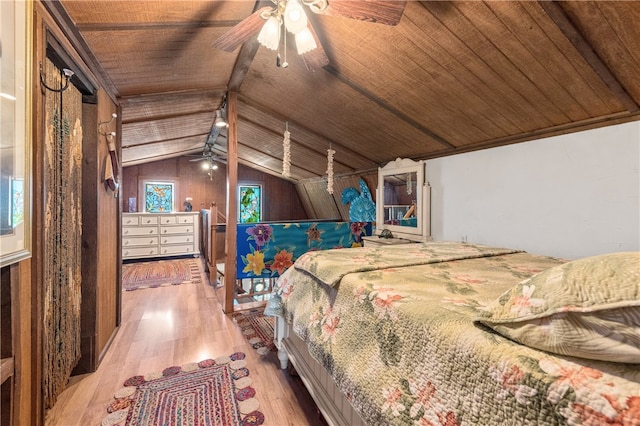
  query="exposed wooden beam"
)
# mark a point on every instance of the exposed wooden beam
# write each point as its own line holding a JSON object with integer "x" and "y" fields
{"x": 138, "y": 26}
{"x": 232, "y": 200}
{"x": 558, "y": 15}
{"x": 142, "y": 99}
{"x": 160, "y": 117}
{"x": 245, "y": 57}
{"x": 243, "y": 63}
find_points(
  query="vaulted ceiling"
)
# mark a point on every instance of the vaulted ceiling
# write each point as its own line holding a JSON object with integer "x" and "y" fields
{"x": 450, "y": 77}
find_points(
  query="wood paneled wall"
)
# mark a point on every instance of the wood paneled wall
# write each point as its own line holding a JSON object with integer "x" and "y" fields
{"x": 100, "y": 239}
{"x": 281, "y": 200}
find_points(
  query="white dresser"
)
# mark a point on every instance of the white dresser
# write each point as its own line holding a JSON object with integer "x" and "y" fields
{"x": 160, "y": 235}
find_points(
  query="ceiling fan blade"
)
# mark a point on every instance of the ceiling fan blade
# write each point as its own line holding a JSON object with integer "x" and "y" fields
{"x": 199, "y": 159}
{"x": 382, "y": 12}
{"x": 316, "y": 58}
{"x": 242, "y": 32}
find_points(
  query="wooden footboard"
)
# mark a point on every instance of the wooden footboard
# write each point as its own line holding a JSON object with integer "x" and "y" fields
{"x": 336, "y": 410}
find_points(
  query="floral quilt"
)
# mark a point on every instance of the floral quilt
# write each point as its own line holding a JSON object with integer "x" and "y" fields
{"x": 401, "y": 344}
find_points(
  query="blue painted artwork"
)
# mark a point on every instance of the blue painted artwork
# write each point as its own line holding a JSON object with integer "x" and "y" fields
{"x": 362, "y": 208}
{"x": 158, "y": 197}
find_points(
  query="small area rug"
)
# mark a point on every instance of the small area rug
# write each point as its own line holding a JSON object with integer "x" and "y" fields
{"x": 160, "y": 273}
{"x": 210, "y": 392}
{"x": 257, "y": 328}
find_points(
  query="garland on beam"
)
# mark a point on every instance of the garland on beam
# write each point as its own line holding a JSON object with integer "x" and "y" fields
{"x": 286, "y": 146}
{"x": 330, "y": 153}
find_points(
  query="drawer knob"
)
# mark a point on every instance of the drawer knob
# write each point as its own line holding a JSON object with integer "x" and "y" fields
{"x": 150, "y": 241}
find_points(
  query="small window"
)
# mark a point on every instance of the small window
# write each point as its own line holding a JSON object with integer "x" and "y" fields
{"x": 159, "y": 197}
{"x": 249, "y": 203}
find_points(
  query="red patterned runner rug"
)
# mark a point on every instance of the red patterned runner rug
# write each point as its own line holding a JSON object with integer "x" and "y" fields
{"x": 210, "y": 392}
{"x": 257, "y": 328}
{"x": 161, "y": 273}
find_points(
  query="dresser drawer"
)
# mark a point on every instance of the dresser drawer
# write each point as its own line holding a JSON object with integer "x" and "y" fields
{"x": 176, "y": 239}
{"x": 178, "y": 249}
{"x": 186, "y": 229}
{"x": 141, "y": 230}
{"x": 148, "y": 220}
{"x": 139, "y": 241}
{"x": 168, "y": 220}
{"x": 129, "y": 220}
{"x": 185, "y": 219}
{"x": 139, "y": 252}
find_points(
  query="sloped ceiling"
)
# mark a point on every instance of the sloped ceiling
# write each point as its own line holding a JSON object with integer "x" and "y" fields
{"x": 450, "y": 77}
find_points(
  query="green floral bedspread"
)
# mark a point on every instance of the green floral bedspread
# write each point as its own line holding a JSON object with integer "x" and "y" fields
{"x": 401, "y": 344}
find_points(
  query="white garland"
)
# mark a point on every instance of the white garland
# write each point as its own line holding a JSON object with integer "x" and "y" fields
{"x": 409, "y": 183}
{"x": 330, "y": 153}
{"x": 286, "y": 160}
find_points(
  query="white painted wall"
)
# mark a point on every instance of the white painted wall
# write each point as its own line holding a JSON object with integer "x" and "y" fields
{"x": 568, "y": 196}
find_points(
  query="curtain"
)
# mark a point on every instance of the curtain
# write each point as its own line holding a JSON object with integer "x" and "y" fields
{"x": 62, "y": 233}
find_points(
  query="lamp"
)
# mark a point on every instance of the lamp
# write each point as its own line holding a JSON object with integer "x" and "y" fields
{"x": 269, "y": 35}
{"x": 295, "y": 20}
{"x": 220, "y": 122}
{"x": 305, "y": 41}
{"x": 289, "y": 15}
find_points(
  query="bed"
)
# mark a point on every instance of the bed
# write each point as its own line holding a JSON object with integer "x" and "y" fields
{"x": 444, "y": 333}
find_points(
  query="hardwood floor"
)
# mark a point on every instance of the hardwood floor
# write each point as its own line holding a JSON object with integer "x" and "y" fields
{"x": 174, "y": 325}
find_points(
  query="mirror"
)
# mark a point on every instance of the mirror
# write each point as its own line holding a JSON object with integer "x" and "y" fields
{"x": 402, "y": 200}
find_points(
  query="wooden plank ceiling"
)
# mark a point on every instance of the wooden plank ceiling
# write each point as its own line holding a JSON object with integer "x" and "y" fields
{"x": 450, "y": 77}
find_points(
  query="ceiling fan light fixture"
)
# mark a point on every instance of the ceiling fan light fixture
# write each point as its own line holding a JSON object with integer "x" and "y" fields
{"x": 295, "y": 20}
{"x": 305, "y": 41}
{"x": 269, "y": 35}
{"x": 220, "y": 122}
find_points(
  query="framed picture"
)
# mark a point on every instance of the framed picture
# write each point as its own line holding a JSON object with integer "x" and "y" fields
{"x": 249, "y": 203}
{"x": 15, "y": 133}
{"x": 159, "y": 197}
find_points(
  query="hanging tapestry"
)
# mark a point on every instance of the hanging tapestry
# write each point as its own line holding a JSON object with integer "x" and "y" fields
{"x": 62, "y": 233}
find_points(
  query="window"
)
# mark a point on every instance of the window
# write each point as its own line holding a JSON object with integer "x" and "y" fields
{"x": 249, "y": 203}
{"x": 159, "y": 197}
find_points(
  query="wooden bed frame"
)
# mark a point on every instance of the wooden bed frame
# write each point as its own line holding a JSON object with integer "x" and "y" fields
{"x": 335, "y": 408}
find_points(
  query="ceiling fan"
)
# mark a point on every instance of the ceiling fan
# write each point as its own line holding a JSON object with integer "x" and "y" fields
{"x": 278, "y": 18}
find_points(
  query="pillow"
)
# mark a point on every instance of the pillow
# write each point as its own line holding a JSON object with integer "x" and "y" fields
{"x": 587, "y": 308}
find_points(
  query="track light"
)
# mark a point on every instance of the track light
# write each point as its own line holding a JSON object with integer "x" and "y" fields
{"x": 220, "y": 122}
